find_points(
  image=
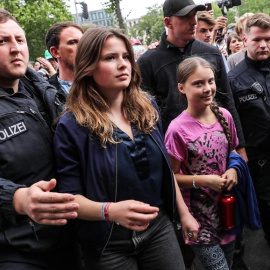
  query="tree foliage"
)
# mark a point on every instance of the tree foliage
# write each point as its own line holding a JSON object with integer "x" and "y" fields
{"x": 150, "y": 26}
{"x": 254, "y": 6}
{"x": 113, "y": 6}
{"x": 36, "y": 17}
{"x": 231, "y": 13}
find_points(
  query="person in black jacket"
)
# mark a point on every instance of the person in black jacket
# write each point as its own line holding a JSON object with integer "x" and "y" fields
{"x": 61, "y": 41}
{"x": 250, "y": 84}
{"x": 158, "y": 67}
{"x": 28, "y": 208}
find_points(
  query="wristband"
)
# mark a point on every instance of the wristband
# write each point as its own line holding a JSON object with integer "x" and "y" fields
{"x": 102, "y": 210}
{"x": 106, "y": 211}
{"x": 193, "y": 182}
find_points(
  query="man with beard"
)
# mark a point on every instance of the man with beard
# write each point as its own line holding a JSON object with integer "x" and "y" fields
{"x": 61, "y": 41}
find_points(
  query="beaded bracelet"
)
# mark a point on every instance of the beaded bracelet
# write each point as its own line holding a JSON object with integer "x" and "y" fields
{"x": 193, "y": 182}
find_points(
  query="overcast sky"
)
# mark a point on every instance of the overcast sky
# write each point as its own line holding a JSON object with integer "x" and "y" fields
{"x": 136, "y": 8}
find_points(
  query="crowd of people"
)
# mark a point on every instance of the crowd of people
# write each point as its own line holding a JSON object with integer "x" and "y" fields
{"x": 114, "y": 155}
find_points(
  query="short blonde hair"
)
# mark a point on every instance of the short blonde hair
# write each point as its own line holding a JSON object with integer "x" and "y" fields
{"x": 239, "y": 27}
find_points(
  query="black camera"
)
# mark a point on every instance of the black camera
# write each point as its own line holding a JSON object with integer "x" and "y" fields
{"x": 228, "y": 4}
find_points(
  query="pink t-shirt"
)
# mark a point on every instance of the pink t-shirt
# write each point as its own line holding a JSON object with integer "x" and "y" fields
{"x": 202, "y": 150}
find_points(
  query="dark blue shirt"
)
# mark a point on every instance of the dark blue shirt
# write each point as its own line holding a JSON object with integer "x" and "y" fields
{"x": 140, "y": 168}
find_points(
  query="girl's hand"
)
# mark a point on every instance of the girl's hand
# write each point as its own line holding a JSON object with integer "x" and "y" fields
{"x": 133, "y": 215}
{"x": 189, "y": 225}
{"x": 216, "y": 182}
{"x": 231, "y": 176}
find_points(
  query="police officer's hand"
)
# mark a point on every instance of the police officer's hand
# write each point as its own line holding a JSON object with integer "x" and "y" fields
{"x": 43, "y": 206}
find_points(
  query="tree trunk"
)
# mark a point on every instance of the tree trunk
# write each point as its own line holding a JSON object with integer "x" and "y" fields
{"x": 119, "y": 15}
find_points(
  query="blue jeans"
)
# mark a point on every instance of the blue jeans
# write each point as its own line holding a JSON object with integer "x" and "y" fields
{"x": 215, "y": 257}
{"x": 155, "y": 248}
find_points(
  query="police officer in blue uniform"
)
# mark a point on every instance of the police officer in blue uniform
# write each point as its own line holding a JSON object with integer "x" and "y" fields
{"x": 250, "y": 83}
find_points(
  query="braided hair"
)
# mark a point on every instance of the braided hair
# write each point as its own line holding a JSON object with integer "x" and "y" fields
{"x": 223, "y": 122}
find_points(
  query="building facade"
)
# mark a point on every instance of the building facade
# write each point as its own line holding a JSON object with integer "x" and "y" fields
{"x": 98, "y": 17}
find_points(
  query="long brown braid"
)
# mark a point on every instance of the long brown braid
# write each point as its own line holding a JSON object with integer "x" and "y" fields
{"x": 223, "y": 122}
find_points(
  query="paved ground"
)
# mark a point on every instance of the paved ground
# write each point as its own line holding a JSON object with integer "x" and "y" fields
{"x": 256, "y": 253}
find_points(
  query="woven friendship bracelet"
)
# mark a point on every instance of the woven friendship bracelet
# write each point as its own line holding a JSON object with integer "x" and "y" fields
{"x": 102, "y": 210}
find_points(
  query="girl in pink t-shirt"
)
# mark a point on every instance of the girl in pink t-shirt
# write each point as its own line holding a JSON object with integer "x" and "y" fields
{"x": 199, "y": 142}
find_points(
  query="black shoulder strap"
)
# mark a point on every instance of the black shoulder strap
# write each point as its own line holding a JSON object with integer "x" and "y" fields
{"x": 38, "y": 99}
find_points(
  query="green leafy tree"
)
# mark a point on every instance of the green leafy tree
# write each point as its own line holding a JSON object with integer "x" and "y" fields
{"x": 36, "y": 17}
{"x": 255, "y": 6}
{"x": 231, "y": 13}
{"x": 150, "y": 26}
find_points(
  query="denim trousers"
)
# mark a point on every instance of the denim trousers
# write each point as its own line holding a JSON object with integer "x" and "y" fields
{"x": 156, "y": 248}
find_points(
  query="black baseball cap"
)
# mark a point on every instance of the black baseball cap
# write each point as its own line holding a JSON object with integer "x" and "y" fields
{"x": 180, "y": 7}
